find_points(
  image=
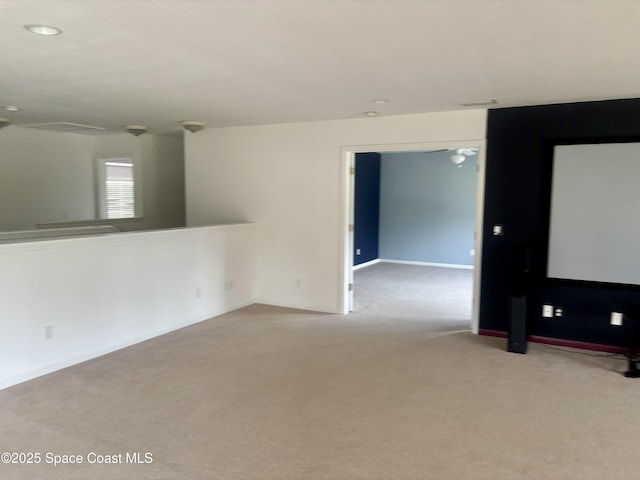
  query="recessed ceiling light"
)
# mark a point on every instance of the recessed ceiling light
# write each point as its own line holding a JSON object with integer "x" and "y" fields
{"x": 43, "y": 29}
{"x": 381, "y": 101}
{"x": 370, "y": 114}
{"x": 12, "y": 108}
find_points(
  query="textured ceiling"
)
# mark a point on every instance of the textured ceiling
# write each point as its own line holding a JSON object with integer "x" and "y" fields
{"x": 247, "y": 62}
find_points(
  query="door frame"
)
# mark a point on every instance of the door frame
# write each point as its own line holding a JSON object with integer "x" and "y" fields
{"x": 347, "y": 160}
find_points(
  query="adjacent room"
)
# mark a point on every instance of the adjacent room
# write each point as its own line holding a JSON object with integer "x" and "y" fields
{"x": 414, "y": 224}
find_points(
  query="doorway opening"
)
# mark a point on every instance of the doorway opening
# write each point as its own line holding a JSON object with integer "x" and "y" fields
{"x": 400, "y": 255}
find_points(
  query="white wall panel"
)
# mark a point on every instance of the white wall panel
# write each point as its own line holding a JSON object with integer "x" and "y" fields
{"x": 289, "y": 179}
{"x": 104, "y": 293}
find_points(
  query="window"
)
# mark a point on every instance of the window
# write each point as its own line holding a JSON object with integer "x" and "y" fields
{"x": 116, "y": 188}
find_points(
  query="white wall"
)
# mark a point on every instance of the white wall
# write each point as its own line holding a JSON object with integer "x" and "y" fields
{"x": 158, "y": 164}
{"x": 49, "y": 177}
{"x": 44, "y": 177}
{"x": 289, "y": 179}
{"x": 163, "y": 181}
{"x": 104, "y": 293}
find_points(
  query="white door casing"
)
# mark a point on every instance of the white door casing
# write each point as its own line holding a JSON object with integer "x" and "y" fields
{"x": 348, "y": 196}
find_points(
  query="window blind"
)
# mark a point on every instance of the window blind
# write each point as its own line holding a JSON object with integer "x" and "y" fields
{"x": 119, "y": 189}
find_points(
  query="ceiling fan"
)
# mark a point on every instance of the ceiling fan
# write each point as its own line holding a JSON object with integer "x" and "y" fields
{"x": 459, "y": 155}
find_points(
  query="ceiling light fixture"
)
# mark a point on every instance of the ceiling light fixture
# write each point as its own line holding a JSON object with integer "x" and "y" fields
{"x": 192, "y": 125}
{"x": 4, "y": 122}
{"x": 47, "y": 30}
{"x": 135, "y": 130}
{"x": 12, "y": 108}
{"x": 370, "y": 113}
{"x": 457, "y": 159}
{"x": 380, "y": 101}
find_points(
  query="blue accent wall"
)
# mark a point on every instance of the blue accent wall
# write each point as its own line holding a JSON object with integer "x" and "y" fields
{"x": 427, "y": 207}
{"x": 517, "y": 195}
{"x": 366, "y": 208}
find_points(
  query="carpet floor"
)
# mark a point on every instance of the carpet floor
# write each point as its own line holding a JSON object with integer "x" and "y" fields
{"x": 273, "y": 393}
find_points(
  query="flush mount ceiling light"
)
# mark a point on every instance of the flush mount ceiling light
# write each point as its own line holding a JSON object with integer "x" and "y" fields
{"x": 135, "y": 130}
{"x": 4, "y": 122}
{"x": 380, "y": 101}
{"x": 370, "y": 114}
{"x": 43, "y": 30}
{"x": 12, "y": 108}
{"x": 192, "y": 125}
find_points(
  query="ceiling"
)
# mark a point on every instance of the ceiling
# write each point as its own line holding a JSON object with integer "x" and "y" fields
{"x": 249, "y": 62}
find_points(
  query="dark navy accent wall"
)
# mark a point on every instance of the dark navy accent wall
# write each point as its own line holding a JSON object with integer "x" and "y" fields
{"x": 517, "y": 195}
{"x": 366, "y": 208}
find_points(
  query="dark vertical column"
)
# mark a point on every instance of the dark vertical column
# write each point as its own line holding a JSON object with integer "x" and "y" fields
{"x": 366, "y": 208}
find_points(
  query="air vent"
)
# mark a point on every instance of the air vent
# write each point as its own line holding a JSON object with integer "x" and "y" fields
{"x": 482, "y": 103}
{"x": 62, "y": 127}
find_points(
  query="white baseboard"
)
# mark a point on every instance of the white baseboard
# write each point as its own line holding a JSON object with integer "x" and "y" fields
{"x": 366, "y": 264}
{"x": 90, "y": 355}
{"x": 428, "y": 264}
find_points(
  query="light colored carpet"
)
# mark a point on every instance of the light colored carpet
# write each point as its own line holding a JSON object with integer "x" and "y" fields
{"x": 273, "y": 393}
{"x": 441, "y": 296}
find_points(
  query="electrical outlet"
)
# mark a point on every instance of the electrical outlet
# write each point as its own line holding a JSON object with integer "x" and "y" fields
{"x": 48, "y": 332}
{"x": 558, "y": 312}
{"x": 616, "y": 319}
{"x": 547, "y": 311}
{"x": 357, "y": 251}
